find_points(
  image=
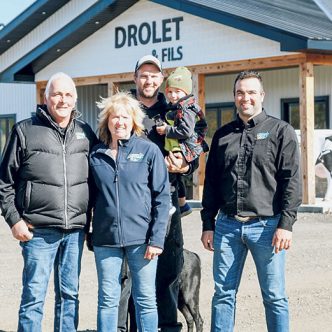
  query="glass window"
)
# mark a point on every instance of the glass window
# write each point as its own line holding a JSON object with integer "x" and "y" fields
{"x": 6, "y": 124}
{"x": 290, "y": 112}
{"x": 217, "y": 115}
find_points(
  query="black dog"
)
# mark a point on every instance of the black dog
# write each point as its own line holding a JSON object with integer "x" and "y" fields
{"x": 188, "y": 300}
{"x": 190, "y": 281}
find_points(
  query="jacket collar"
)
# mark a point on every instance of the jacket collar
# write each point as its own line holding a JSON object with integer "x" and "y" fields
{"x": 43, "y": 113}
{"x": 102, "y": 147}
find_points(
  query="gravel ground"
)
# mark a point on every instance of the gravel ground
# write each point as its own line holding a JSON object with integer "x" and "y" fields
{"x": 309, "y": 280}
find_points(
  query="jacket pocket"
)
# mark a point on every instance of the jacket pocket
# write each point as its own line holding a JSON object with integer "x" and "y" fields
{"x": 23, "y": 195}
{"x": 27, "y": 196}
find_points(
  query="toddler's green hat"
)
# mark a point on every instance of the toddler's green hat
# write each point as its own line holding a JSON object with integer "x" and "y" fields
{"x": 180, "y": 78}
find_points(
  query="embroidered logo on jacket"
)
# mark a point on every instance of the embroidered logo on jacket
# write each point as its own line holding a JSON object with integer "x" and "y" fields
{"x": 135, "y": 156}
{"x": 263, "y": 135}
{"x": 80, "y": 136}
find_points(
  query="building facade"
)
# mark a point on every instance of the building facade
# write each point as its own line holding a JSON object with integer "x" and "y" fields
{"x": 99, "y": 42}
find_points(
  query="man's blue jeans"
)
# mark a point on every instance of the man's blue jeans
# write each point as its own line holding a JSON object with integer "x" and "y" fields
{"x": 232, "y": 240}
{"x": 47, "y": 249}
{"x": 143, "y": 272}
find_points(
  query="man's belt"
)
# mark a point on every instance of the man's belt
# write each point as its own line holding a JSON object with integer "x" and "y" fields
{"x": 243, "y": 219}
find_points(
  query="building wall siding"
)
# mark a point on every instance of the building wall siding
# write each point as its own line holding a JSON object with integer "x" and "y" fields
{"x": 86, "y": 102}
{"x": 18, "y": 98}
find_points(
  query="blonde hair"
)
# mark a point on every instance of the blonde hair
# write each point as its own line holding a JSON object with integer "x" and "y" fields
{"x": 119, "y": 101}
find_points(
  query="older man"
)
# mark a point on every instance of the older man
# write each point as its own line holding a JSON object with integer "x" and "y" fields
{"x": 253, "y": 180}
{"x": 44, "y": 197}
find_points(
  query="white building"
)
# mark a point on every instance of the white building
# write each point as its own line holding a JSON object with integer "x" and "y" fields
{"x": 99, "y": 42}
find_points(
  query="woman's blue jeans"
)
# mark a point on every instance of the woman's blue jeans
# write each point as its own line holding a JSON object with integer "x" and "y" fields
{"x": 143, "y": 272}
{"x": 47, "y": 249}
{"x": 232, "y": 240}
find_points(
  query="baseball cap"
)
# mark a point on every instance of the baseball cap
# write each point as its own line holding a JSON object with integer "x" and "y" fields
{"x": 148, "y": 59}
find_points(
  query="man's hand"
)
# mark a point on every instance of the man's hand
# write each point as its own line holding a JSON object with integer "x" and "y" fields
{"x": 21, "y": 231}
{"x": 151, "y": 252}
{"x": 176, "y": 163}
{"x": 282, "y": 239}
{"x": 207, "y": 240}
{"x": 161, "y": 130}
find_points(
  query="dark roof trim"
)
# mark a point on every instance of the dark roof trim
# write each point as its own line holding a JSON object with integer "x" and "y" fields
{"x": 324, "y": 45}
{"x": 62, "y": 41}
{"x": 27, "y": 21}
{"x": 288, "y": 41}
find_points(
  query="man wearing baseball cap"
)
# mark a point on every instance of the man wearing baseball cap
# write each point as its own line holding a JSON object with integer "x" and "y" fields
{"x": 148, "y": 78}
{"x": 148, "y": 59}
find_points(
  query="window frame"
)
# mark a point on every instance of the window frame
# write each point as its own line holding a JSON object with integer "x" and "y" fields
{"x": 229, "y": 104}
{"x": 286, "y": 101}
{"x": 6, "y": 117}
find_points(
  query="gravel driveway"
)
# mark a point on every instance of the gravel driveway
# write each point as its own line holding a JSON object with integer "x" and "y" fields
{"x": 309, "y": 280}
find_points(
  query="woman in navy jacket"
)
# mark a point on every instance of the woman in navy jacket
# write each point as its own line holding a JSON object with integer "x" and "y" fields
{"x": 131, "y": 211}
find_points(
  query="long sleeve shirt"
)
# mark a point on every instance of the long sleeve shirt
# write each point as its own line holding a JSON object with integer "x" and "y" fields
{"x": 252, "y": 170}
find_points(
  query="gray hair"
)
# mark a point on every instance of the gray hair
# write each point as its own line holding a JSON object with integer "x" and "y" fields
{"x": 55, "y": 77}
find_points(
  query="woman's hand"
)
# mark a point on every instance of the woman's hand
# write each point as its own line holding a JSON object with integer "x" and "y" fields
{"x": 151, "y": 252}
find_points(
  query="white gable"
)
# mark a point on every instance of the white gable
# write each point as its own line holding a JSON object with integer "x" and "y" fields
{"x": 175, "y": 37}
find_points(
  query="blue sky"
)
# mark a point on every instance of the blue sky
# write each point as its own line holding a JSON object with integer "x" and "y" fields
{"x": 9, "y": 9}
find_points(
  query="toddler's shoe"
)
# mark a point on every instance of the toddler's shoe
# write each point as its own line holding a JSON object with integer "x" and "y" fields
{"x": 185, "y": 210}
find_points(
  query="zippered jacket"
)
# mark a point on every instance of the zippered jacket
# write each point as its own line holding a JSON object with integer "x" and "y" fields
{"x": 44, "y": 173}
{"x": 160, "y": 109}
{"x": 132, "y": 201}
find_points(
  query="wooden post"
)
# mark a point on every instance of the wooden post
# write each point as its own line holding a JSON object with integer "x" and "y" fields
{"x": 40, "y": 93}
{"x": 112, "y": 87}
{"x": 198, "y": 91}
{"x": 307, "y": 120}
{"x": 202, "y": 158}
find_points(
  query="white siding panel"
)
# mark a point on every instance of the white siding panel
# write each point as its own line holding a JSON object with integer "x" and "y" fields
{"x": 278, "y": 84}
{"x": 86, "y": 102}
{"x": 202, "y": 42}
{"x": 19, "y": 99}
{"x": 43, "y": 31}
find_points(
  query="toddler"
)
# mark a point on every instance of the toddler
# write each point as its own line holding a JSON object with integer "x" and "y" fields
{"x": 185, "y": 126}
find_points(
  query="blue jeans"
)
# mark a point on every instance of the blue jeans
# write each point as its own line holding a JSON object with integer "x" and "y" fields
{"x": 47, "y": 249}
{"x": 170, "y": 264}
{"x": 143, "y": 272}
{"x": 232, "y": 240}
